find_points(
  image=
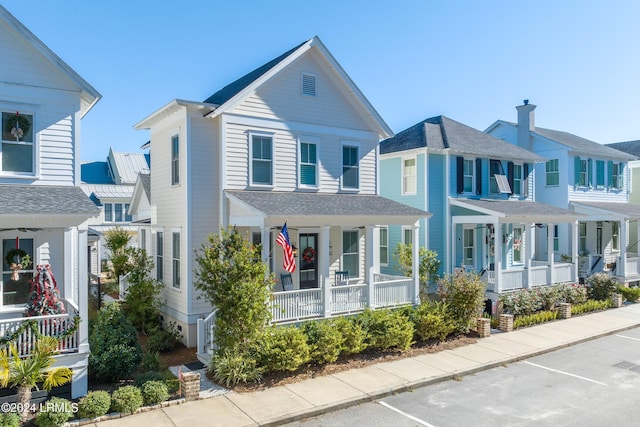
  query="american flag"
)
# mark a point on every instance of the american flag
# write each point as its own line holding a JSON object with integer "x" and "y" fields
{"x": 289, "y": 263}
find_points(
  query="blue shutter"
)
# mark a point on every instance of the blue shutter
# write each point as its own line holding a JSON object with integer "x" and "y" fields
{"x": 460, "y": 174}
{"x": 609, "y": 173}
{"x": 510, "y": 175}
{"x": 478, "y": 176}
{"x": 576, "y": 171}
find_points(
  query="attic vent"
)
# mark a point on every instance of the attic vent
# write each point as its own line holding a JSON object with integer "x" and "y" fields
{"x": 308, "y": 84}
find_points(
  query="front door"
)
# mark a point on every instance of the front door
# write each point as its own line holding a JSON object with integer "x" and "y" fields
{"x": 308, "y": 260}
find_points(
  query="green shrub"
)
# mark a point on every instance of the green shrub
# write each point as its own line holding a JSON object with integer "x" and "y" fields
{"x": 629, "y": 294}
{"x": 600, "y": 286}
{"x": 282, "y": 349}
{"x": 149, "y": 376}
{"x": 464, "y": 295}
{"x": 115, "y": 351}
{"x": 164, "y": 339}
{"x": 142, "y": 302}
{"x": 572, "y": 293}
{"x": 126, "y": 399}
{"x": 154, "y": 392}
{"x": 232, "y": 368}
{"x": 522, "y": 302}
{"x": 535, "y": 318}
{"x": 150, "y": 361}
{"x": 590, "y": 305}
{"x": 9, "y": 419}
{"x": 432, "y": 320}
{"x": 354, "y": 334}
{"x": 387, "y": 329}
{"x": 325, "y": 341}
{"x": 94, "y": 404}
{"x": 55, "y": 412}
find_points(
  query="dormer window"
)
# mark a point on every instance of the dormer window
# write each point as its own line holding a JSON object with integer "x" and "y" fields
{"x": 308, "y": 84}
{"x": 16, "y": 150}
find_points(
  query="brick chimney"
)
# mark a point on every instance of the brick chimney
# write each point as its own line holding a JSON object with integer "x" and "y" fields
{"x": 526, "y": 124}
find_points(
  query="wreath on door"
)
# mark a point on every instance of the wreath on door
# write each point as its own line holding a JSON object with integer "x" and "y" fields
{"x": 309, "y": 254}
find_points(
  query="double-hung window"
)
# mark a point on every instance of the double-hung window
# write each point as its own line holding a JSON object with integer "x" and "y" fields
{"x": 615, "y": 235}
{"x": 17, "y": 147}
{"x": 407, "y": 236}
{"x": 582, "y": 238}
{"x": 498, "y": 182}
{"x": 175, "y": 160}
{"x": 467, "y": 175}
{"x": 583, "y": 173}
{"x": 350, "y": 178}
{"x": 116, "y": 212}
{"x": 517, "y": 179}
{"x": 409, "y": 176}
{"x": 468, "y": 248}
{"x": 552, "y": 172}
{"x": 261, "y": 159}
{"x": 175, "y": 254}
{"x": 616, "y": 175}
{"x": 108, "y": 212}
{"x": 308, "y": 164}
{"x": 350, "y": 253}
{"x": 159, "y": 256}
{"x": 15, "y": 287}
{"x": 517, "y": 245}
{"x": 384, "y": 246}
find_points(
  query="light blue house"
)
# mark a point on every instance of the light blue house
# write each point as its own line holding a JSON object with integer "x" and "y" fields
{"x": 480, "y": 191}
{"x": 590, "y": 179}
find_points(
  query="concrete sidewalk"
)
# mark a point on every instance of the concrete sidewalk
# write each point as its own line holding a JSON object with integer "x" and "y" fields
{"x": 314, "y": 396}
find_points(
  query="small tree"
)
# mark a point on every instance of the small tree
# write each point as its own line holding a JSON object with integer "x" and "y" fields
{"x": 116, "y": 240}
{"x": 464, "y": 294}
{"x": 142, "y": 302}
{"x": 231, "y": 276}
{"x": 26, "y": 372}
{"x": 429, "y": 263}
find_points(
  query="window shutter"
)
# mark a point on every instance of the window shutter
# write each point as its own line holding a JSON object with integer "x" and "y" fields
{"x": 589, "y": 172}
{"x": 510, "y": 175}
{"x": 525, "y": 181}
{"x": 576, "y": 171}
{"x": 460, "y": 174}
{"x": 478, "y": 176}
{"x": 609, "y": 173}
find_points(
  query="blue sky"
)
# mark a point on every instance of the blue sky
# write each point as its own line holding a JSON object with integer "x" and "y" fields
{"x": 472, "y": 61}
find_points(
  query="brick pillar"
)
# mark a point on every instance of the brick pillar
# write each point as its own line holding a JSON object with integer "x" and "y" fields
{"x": 616, "y": 299}
{"x": 190, "y": 385}
{"x": 484, "y": 327}
{"x": 506, "y": 322}
{"x": 564, "y": 310}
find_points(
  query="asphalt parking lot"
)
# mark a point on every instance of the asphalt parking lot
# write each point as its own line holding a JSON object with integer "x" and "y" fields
{"x": 595, "y": 383}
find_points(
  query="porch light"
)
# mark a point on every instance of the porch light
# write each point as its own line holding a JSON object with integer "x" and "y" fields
{"x": 295, "y": 249}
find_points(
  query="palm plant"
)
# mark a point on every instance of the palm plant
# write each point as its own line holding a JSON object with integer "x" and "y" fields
{"x": 25, "y": 373}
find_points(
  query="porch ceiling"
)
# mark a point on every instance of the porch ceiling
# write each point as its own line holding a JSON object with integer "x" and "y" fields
{"x": 599, "y": 209}
{"x": 33, "y": 206}
{"x": 514, "y": 211}
{"x": 313, "y": 209}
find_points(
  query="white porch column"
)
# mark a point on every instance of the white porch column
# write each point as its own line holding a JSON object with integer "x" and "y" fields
{"x": 623, "y": 241}
{"x": 550, "y": 257}
{"x": 323, "y": 268}
{"x": 499, "y": 232}
{"x": 369, "y": 260}
{"x": 415, "y": 262}
{"x": 528, "y": 246}
{"x": 266, "y": 244}
{"x": 575, "y": 236}
{"x": 78, "y": 237}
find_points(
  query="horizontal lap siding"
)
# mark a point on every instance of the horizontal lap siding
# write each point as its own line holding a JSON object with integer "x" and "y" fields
{"x": 57, "y": 152}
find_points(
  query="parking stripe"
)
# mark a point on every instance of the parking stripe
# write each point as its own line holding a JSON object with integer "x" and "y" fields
{"x": 628, "y": 338}
{"x": 566, "y": 373}
{"x": 404, "y": 414}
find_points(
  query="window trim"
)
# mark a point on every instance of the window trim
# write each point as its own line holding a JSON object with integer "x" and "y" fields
{"x": 465, "y": 229}
{"x": 520, "y": 250}
{"x": 414, "y": 177}
{"x": 270, "y": 136}
{"x": 315, "y": 141}
{"x": 357, "y": 253}
{"x": 549, "y": 172}
{"x": 518, "y": 179}
{"x": 33, "y": 143}
{"x": 616, "y": 175}
{"x": 403, "y": 237}
{"x": 474, "y": 172}
{"x": 175, "y": 160}
{"x": 34, "y": 262}
{"x": 582, "y": 238}
{"x": 356, "y": 145}
{"x": 176, "y": 279}
{"x": 584, "y": 173}
{"x": 615, "y": 236}
{"x": 159, "y": 255}
{"x": 380, "y": 246}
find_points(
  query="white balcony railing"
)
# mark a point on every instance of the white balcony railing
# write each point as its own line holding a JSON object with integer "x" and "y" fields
{"x": 62, "y": 326}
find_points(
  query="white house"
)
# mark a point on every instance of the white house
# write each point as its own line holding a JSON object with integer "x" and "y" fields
{"x": 590, "y": 179}
{"x": 293, "y": 141}
{"x": 43, "y": 211}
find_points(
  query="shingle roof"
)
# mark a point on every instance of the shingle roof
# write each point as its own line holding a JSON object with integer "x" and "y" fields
{"x": 441, "y": 132}
{"x": 232, "y": 89}
{"x": 625, "y": 209}
{"x": 629, "y": 147}
{"x": 314, "y": 204}
{"x": 45, "y": 200}
{"x": 520, "y": 208}
{"x": 145, "y": 180}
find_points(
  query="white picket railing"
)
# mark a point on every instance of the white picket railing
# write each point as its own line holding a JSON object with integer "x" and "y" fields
{"x": 539, "y": 276}
{"x": 564, "y": 273}
{"x": 393, "y": 291}
{"x": 296, "y": 305}
{"x": 53, "y": 325}
{"x": 349, "y": 298}
{"x": 124, "y": 284}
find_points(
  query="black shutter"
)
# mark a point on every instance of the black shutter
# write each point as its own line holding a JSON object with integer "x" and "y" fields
{"x": 478, "y": 176}
{"x": 460, "y": 174}
{"x": 525, "y": 190}
{"x": 510, "y": 175}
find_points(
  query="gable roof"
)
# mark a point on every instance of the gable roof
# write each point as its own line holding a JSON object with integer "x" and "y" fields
{"x": 575, "y": 143}
{"x": 629, "y": 147}
{"x": 88, "y": 94}
{"x": 127, "y": 166}
{"x": 442, "y": 133}
{"x": 95, "y": 173}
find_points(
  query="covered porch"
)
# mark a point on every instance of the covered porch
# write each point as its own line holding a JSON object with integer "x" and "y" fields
{"x": 512, "y": 244}
{"x": 608, "y": 239}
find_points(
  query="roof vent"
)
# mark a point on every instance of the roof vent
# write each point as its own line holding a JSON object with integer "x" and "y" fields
{"x": 308, "y": 84}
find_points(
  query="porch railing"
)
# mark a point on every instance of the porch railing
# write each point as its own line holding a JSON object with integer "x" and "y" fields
{"x": 512, "y": 279}
{"x": 56, "y": 326}
{"x": 348, "y": 299}
{"x": 206, "y": 337}
{"x": 391, "y": 291}
{"x": 539, "y": 275}
{"x": 297, "y": 305}
{"x": 124, "y": 284}
{"x": 563, "y": 273}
